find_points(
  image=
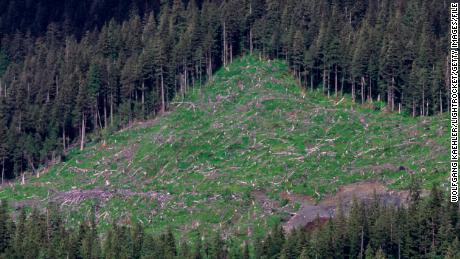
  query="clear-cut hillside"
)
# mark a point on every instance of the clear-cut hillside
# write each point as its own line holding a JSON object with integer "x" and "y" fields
{"x": 241, "y": 152}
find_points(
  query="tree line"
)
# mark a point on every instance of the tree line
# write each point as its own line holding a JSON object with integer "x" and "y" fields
{"x": 427, "y": 227}
{"x": 60, "y": 85}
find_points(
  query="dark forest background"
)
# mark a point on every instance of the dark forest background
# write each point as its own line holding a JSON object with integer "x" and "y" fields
{"x": 76, "y": 17}
{"x": 70, "y": 68}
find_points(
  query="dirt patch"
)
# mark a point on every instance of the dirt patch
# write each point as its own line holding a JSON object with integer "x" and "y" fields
{"x": 363, "y": 191}
{"x": 306, "y": 215}
{"x": 268, "y": 205}
{"x": 300, "y": 198}
{"x": 126, "y": 154}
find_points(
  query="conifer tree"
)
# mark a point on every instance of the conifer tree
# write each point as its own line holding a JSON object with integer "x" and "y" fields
{"x": 304, "y": 254}
{"x": 389, "y": 62}
{"x": 216, "y": 247}
{"x": 357, "y": 229}
{"x": 360, "y": 60}
{"x": 272, "y": 36}
{"x": 369, "y": 253}
{"x": 149, "y": 247}
{"x": 5, "y": 234}
{"x": 160, "y": 44}
{"x": 309, "y": 65}
{"x": 379, "y": 254}
{"x": 333, "y": 51}
{"x": 453, "y": 250}
{"x": 298, "y": 53}
{"x": 170, "y": 244}
{"x": 19, "y": 235}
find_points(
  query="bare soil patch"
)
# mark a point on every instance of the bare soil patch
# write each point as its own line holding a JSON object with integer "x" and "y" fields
{"x": 363, "y": 191}
{"x": 126, "y": 154}
{"x": 268, "y": 205}
{"x": 293, "y": 197}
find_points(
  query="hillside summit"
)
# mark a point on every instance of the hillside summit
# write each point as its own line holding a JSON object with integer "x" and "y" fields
{"x": 245, "y": 150}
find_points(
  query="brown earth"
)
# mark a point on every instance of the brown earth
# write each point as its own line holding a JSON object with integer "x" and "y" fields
{"x": 268, "y": 205}
{"x": 363, "y": 191}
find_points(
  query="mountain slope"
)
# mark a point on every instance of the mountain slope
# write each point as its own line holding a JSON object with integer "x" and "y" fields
{"x": 235, "y": 152}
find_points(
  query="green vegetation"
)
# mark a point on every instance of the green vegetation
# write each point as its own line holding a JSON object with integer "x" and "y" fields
{"x": 198, "y": 166}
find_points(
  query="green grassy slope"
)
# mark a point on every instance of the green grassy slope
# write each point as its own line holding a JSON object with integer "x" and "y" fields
{"x": 248, "y": 129}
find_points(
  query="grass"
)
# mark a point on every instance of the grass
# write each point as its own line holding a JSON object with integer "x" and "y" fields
{"x": 248, "y": 129}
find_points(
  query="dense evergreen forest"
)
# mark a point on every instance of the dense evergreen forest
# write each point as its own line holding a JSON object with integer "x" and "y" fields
{"x": 72, "y": 68}
{"x": 75, "y": 17}
{"x": 427, "y": 228}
